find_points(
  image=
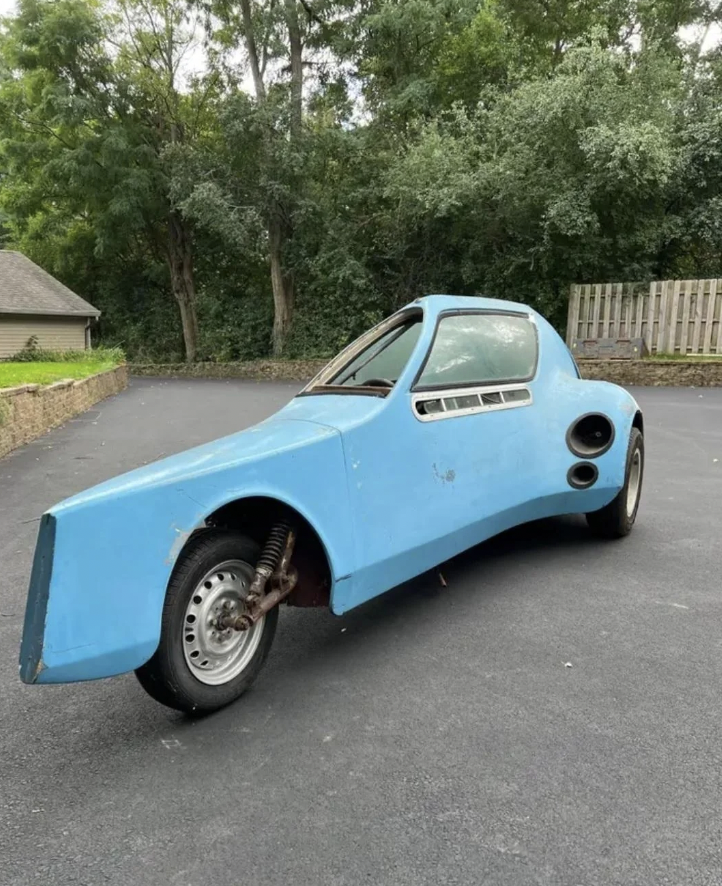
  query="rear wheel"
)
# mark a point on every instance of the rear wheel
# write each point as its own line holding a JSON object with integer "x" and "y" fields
{"x": 199, "y": 666}
{"x": 617, "y": 518}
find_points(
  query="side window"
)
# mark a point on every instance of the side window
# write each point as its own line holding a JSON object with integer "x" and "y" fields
{"x": 478, "y": 349}
{"x": 384, "y": 359}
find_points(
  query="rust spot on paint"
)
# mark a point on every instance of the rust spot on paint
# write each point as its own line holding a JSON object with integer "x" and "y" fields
{"x": 446, "y": 477}
{"x": 39, "y": 669}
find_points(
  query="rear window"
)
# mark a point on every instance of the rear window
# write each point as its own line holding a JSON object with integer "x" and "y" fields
{"x": 478, "y": 348}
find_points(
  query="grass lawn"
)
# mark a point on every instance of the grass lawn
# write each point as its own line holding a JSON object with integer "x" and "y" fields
{"x": 14, "y": 374}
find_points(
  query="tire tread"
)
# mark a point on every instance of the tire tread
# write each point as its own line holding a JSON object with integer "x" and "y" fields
{"x": 612, "y": 521}
{"x": 165, "y": 676}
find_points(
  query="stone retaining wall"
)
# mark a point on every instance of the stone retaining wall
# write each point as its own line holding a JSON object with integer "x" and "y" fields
{"x": 673, "y": 373}
{"x": 279, "y": 370}
{"x": 655, "y": 373}
{"x": 29, "y": 411}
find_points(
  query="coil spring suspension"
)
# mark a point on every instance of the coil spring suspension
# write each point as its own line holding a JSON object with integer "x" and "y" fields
{"x": 273, "y": 549}
{"x": 274, "y": 562}
{"x": 270, "y": 558}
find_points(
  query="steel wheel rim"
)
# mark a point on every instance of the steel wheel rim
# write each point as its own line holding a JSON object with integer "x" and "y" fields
{"x": 215, "y": 656}
{"x": 635, "y": 477}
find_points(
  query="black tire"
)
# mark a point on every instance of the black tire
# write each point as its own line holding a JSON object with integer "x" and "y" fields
{"x": 616, "y": 519}
{"x": 167, "y": 676}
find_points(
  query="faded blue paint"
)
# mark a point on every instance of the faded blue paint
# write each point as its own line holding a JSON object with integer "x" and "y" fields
{"x": 389, "y": 496}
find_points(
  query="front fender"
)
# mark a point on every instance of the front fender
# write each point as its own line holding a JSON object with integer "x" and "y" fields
{"x": 103, "y": 559}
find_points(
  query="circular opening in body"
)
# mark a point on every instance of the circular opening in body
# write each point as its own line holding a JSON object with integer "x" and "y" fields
{"x": 591, "y": 435}
{"x": 582, "y": 475}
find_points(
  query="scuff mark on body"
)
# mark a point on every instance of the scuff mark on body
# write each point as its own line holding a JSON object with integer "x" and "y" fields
{"x": 181, "y": 538}
{"x": 447, "y": 477}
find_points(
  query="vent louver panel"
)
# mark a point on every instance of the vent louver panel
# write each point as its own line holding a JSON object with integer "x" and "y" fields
{"x": 430, "y": 407}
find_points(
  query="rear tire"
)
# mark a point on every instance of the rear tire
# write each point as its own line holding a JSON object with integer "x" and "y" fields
{"x": 617, "y": 518}
{"x": 198, "y": 667}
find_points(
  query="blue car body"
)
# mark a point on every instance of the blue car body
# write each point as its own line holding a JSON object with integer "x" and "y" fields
{"x": 388, "y": 495}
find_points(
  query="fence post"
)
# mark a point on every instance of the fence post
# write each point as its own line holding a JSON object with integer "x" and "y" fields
{"x": 709, "y": 321}
{"x": 608, "y": 290}
{"x": 698, "y": 306}
{"x": 617, "y": 321}
{"x": 672, "y": 321}
{"x": 649, "y": 338}
{"x": 686, "y": 297}
{"x": 596, "y": 308}
{"x": 639, "y": 312}
{"x": 573, "y": 313}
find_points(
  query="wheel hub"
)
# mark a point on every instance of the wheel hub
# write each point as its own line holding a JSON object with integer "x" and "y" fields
{"x": 633, "y": 485}
{"x": 215, "y": 654}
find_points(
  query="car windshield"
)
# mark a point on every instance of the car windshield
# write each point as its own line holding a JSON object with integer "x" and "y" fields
{"x": 381, "y": 363}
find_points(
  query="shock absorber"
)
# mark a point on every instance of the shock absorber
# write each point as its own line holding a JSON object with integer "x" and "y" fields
{"x": 270, "y": 557}
{"x": 274, "y": 562}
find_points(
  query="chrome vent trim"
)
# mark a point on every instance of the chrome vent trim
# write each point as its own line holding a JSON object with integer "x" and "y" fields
{"x": 432, "y": 406}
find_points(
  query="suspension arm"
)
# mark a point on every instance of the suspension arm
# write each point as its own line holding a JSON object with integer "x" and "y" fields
{"x": 274, "y": 565}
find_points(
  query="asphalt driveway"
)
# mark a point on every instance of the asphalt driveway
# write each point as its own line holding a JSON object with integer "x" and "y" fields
{"x": 434, "y": 736}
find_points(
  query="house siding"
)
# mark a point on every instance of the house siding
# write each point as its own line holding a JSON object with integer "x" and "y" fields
{"x": 53, "y": 333}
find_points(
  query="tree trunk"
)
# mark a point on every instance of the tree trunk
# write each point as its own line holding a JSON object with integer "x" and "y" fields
{"x": 252, "y": 49}
{"x": 282, "y": 284}
{"x": 296, "y": 52}
{"x": 282, "y": 281}
{"x": 180, "y": 264}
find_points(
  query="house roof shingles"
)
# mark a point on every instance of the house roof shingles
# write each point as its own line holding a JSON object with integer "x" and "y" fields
{"x": 26, "y": 288}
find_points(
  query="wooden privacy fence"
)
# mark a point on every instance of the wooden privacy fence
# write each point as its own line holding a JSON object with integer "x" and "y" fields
{"x": 672, "y": 316}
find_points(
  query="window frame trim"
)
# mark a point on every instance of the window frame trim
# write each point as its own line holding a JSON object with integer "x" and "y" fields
{"x": 463, "y": 312}
{"x": 335, "y": 367}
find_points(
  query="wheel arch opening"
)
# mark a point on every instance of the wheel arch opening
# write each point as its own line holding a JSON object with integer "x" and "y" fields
{"x": 255, "y": 516}
{"x": 638, "y": 422}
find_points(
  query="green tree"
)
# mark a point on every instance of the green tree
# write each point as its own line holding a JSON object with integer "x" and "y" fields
{"x": 251, "y": 175}
{"x": 565, "y": 178}
{"x": 88, "y": 118}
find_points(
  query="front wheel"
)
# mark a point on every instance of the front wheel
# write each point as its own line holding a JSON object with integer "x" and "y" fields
{"x": 198, "y": 666}
{"x": 617, "y": 518}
